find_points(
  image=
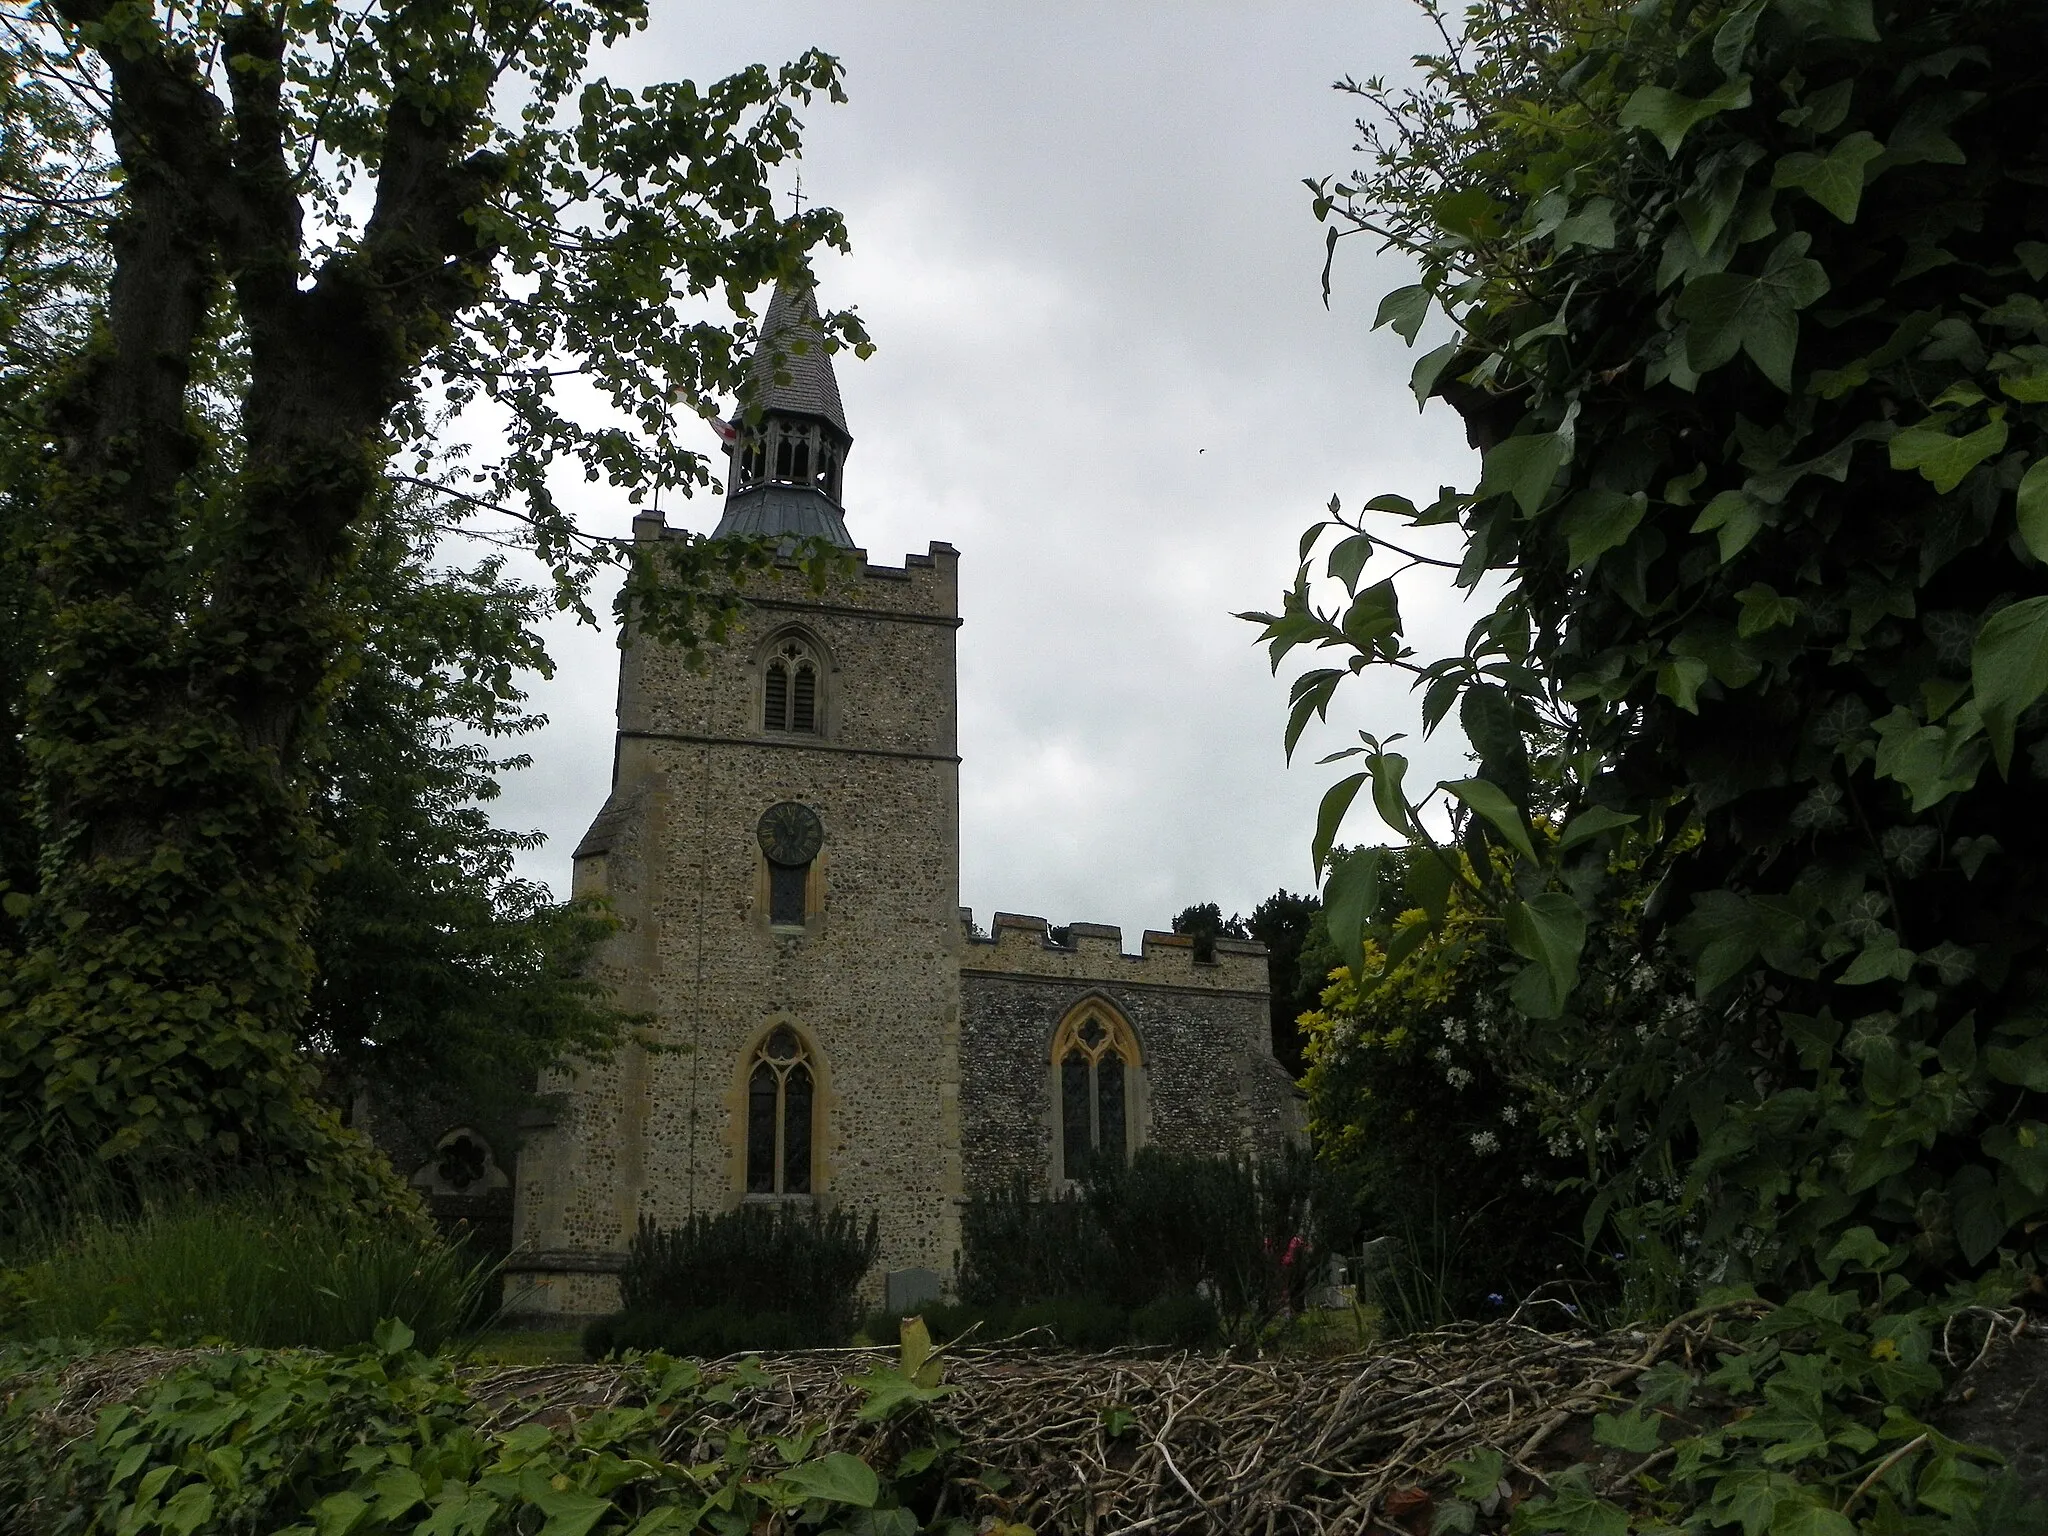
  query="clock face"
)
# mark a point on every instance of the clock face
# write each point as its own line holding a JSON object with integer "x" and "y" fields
{"x": 791, "y": 833}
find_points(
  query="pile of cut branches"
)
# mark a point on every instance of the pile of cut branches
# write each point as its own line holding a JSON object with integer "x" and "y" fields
{"x": 1446, "y": 1432}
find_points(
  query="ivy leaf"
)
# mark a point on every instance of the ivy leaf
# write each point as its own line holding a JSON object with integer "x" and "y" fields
{"x": 1726, "y": 313}
{"x": 571, "y": 1513}
{"x": 2033, "y": 508}
{"x": 839, "y": 1478}
{"x": 1493, "y": 806}
{"x": 1631, "y": 1431}
{"x": 1524, "y": 467}
{"x": 2024, "y": 1149}
{"x": 1404, "y": 309}
{"x": 1671, "y": 116}
{"x": 1834, "y": 180}
{"x": 1978, "y": 1214}
{"x": 1943, "y": 460}
{"x": 2009, "y": 670}
{"x": 1731, "y": 42}
{"x": 1803, "y": 1517}
{"x": 1735, "y": 517}
{"x": 1597, "y": 521}
{"x": 1764, "y": 609}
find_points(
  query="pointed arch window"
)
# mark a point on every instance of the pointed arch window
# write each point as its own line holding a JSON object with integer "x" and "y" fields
{"x": 1096, "y": 1064}
{"x": 790, "y": 689}
{"x": 782, "y": 1094}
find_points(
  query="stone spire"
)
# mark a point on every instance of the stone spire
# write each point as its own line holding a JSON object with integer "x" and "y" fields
{"x": 785, "y": 477}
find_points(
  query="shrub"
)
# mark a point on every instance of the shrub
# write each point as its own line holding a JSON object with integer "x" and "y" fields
{"x": 1249, "y": 1234}
{"x": 1178, "y": 1322}
{"x": 708, "y": 1334}
{"x": 800, "y": 1264}
{"x": 257, "y": 1266}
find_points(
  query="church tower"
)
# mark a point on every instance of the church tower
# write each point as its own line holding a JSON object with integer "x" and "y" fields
{"x": 781, "y": 846}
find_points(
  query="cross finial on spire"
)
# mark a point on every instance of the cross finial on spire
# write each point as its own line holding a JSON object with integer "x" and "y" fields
{"x": 796, "y": 196}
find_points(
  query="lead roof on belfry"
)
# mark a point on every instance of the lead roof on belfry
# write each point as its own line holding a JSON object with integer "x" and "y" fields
{"x": 793, "y": 344}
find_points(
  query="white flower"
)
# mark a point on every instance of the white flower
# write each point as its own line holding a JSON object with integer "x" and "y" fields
{"x": 1511, "y": 1114}
{"x": 1457, "y": 1077}
{"x": 1454, "y": 1029}
{"x": 1560, "y": 1146}
{"x": 1441, "y": 1055}
{"x": 1484, "y": 1142}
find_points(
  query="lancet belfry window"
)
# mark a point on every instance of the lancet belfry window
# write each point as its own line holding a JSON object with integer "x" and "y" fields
{"x": 802, "y": 453}
{"x": 781, "y": 1100}
{"x": 1096, "y": 1058}
{"x": 789, "y": 689}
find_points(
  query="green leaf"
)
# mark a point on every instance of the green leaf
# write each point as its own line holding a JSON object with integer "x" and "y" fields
{"x": 1592, "y": 226}
{"x": 1671, "y": 116}
{"x": 1388, "y": 769}
{"x": 1590, "y": 824}
{"x": 1731, "y": 41}
{"x": 571, "y": 1513}
{"x": 1803, "y": 1517}
{"x": 2024, "y": 1149}
{"x": 1489, "y": 802}
{"x": 1680, "y": 680}
{"x": 2024, "y": 1066}
{"x": 1404, "y": 309}
{"x": 1734, "y": 517}
{"x": 1479, "y": 1475}
{"x": 392, "y": 1337}
{"x": 1750, "y": 1497}
{"x": 1597, "y": 521}
{"x": 1330, "y": 816}
{"x": 1631, "y": 1431}
{"x": 1976, "y": 1211}
{"x": 1550, "y": 930}
{"x": 1524, "y": 467}
{"x": 1941, "y": 459}
{"x": 2009, "y": 670}
{"x": 1726, "y": 313}
{"x": 1349, "y": 558}
{"x": 1429, "y": 368}
{"x": 838, "y": 1479}
{"x": 1763, "y": 610}
{"x": 1836, "y": 18}
{"x": 1834, "y": 180}
{"x": 190, "y": 1508}
{"x": 2033, "y": 509}
{"x": 1350, "y": 897}
{"x": 1454, "y": 1517}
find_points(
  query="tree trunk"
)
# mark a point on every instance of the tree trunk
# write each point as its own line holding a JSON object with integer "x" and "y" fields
{"x": 154, "y": 1015}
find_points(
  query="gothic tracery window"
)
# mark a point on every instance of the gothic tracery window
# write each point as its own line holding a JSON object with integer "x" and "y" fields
{"x": 789, "y": 692}
{"x": 781, "y": 1100}
{"x": 1096, "y": 1058}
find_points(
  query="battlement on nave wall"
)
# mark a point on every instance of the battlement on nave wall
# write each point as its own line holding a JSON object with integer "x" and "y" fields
{"x": 1021, "y": 945}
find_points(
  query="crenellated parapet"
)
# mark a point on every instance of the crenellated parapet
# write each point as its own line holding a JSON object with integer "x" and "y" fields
{"x": 1020, "y": 945}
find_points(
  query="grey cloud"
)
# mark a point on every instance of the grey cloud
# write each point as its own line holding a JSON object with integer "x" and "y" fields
{"x": 1106, "y": 374}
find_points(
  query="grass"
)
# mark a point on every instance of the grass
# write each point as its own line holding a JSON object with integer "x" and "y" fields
{"x": 527, "y": 1346}
{"x": 253, "y": 1267}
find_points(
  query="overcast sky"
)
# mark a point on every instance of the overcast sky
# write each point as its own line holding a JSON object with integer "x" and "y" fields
{"x": 1106, "y": 375}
